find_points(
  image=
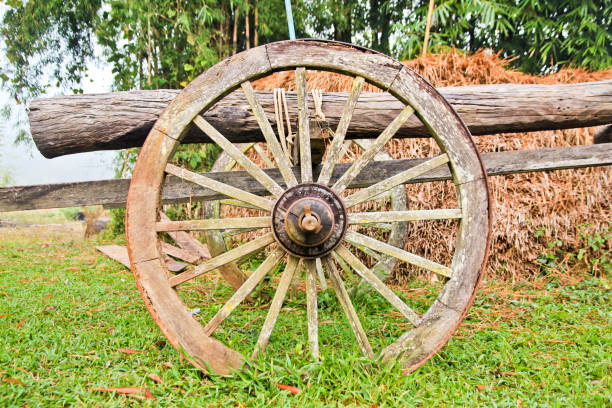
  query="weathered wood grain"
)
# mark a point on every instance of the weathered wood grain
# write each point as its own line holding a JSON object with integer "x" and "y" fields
{"x": 186, "y": 241}
{"x": 360, "y": 240}
{"x": 224, "y": 258}
{"x": 347, "y": 306}
{"x": 80, "y": 123}
{"x": 303, "y": 126}
{"x": 120, "y": 254}
{"x": 240, "y": 158}
{"x": 273, "y": 144}
{"x": 215, "y": 224}
{"x": 222, "y": 188}
{"x": 311, "y": 305}
{"x": 247, "y": 287}
{"x": 276, "y": 305}
{"x": 333, "y": 156}
{"x": 387, "y": 184}
{"x": 113, "y": 193}
{"x": 179, "y": 253}
{"x": 378, "y": 284}
{"x": 368, "y": 155}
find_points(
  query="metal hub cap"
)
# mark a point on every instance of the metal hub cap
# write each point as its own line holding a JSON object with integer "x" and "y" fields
{"x": 309, "y": 220}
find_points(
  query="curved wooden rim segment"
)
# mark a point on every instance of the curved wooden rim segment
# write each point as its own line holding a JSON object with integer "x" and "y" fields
{"x": 437, "y": 325}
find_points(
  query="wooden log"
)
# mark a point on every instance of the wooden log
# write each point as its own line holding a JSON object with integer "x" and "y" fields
{"x": 113, "y": 193}
{"x": 81, "y": 123}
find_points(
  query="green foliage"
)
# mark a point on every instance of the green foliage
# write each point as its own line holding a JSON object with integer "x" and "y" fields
{"x": 542, "y": 35}
{"x": 116, "y": 226}
{"x": 593, "y": 255}
{"x": 46, "y": 34}
{"x": 159, "y": 44}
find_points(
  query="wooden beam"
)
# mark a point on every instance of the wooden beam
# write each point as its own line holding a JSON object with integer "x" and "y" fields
{"x": 113, "y": 193}
{"x": 81, "y": 123}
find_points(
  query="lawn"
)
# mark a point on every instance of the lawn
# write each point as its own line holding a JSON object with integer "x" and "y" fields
{"x": 72, "y": 323}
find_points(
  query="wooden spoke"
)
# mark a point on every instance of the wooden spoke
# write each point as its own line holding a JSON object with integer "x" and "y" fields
{"x": 238, "y": 203}
{"x": 360, "y": 240}
{"x": 311, "y": 307}
{"x": 214, "y": 224}
{"x": 400, "y": 216}
{"x": 275, "y": 307}
{"x": 319, "y": 268}
{"x": 232, "y": 232}
{"x": 219, "y": 187}
{"x": 247, "y": 287}
{"x": 400, "y": 178}
{"x": 334, "y": 153}
{"x": 244, "y": 147}
{"x": 186, "y": 241}
{"x": 303, "y": 125}
{"x": 358, "y": 165}
{"x": 224, "y": 258}
{"x": 377, "y": 284}
{"x": 348, "y": 308}
{"x": 375, "y": 255}
{"x": 235, "y": 153}
{"x": 273, "y": 144}
{"x": 180, "y": 253}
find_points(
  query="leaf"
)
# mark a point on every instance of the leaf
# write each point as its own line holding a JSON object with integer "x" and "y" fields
{"x": 290, "y": 388}
{"x": 13, "y": 381}
{"x": 129, "y": 391}
{"x": 128, "y": 351}
{"x": 21, "y": 322}
{"x": 155, "y": 378}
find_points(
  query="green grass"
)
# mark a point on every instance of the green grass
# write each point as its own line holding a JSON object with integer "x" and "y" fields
{"x": 41, "y": 217}
{"x": 65, "y": 311}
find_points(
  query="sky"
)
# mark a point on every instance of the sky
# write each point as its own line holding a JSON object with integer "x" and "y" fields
{"x": 27, "y": 166}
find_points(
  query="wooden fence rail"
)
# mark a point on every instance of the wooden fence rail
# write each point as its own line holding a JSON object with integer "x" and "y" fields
{"x": 113, "y": 193}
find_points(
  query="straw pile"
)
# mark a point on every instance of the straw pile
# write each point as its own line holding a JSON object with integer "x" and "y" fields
{"x": 557, "y": 204}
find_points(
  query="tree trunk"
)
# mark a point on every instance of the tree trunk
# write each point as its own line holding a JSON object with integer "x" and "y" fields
{"x": 235, "y": 36}
{"x": 81, "y": 123}
{"x": 247, "y": 28}
{"x": 256, "y": 34}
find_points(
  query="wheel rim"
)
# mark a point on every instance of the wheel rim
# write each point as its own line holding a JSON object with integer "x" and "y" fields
{"x": 433, "y": 329}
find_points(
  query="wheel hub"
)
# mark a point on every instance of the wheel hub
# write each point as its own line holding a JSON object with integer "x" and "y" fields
{"x": 309, "y": 220}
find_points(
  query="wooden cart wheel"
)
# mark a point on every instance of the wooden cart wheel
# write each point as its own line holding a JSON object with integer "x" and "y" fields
{"x": 306, "y": 216}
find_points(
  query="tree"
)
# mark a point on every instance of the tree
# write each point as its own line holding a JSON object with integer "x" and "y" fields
{"x": 541, "y": 36}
